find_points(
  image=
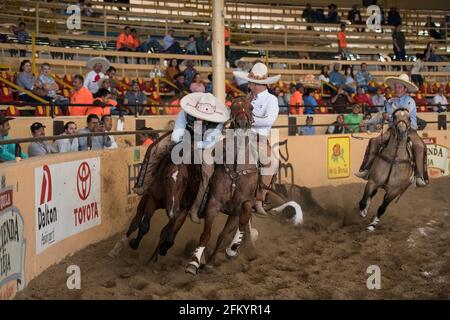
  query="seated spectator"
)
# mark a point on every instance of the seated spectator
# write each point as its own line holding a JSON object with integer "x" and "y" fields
{"x": 416, "y": 70}
{"x": 181, "y": 84}
{"x": 107, "y": 123}
{"x": 172, "y": 70}
{"x": 136, "y": 44}
{"x": 102, "y": 102}
{"x": 308, "y": 15}
{"x": 93, "y": 142}
{"x": 242, "y": 84}
{"x": 39, "y": 148}
{"x": 375, "y": 123}
{"x": 333, "y": 16}
{"x": 363, "y": 78}
{"x": 22, "y": 36}
{"x": 197, "y": 84}
{"x": 309, "y": 103}
{"x": 342, "y": 42}
{"x": 96, "y": 65}
{"x": 362, "y": 99}
{"x": 354, "y": 16}
{"x": 7, "y": 151}
{"x": 336, "y": 78}
{"x": 191, "y": 45}
{"x": 296, "y": 100}
{"x": 135, "y": 97}
{"x": 440, "y": 101}
{"x": 364, "y": 124}
{"x": 352, "y": 120}
{"x": 337, "y": 127}
{"x": 209, "y": 85}
{"x": 111, "y": 75}
{"x": 170, "y": 44}
{"x": 394, "y": 18}
{"x": 87, "y": 11}
{"x": 25, "y": 79}
{"x": 320, "y": 16}
{"x": 350, "y": 83}
{"x": 146, "y": 138}
{"x": 189, "y": 73}
{"x": 432, "y": 31}
{"x": 282, "y": 102}
{"x": 341, "y": 100}
{"x": 69, "y": 144}
{"x": 379, "y": 100}
{"x": 47, "y": 81}
{"x": 125, "y": 42}
{"x": 80, "y": 95}
{"x": 203, "y": 44}
{"x": 308, "y": 129}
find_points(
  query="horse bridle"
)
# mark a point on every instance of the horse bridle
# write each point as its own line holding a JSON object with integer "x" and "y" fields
{"x": 240, "y": 111}
{"x": 396, "y": 123}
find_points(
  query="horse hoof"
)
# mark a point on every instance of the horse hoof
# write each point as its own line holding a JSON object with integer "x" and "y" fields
{"x": 371, "y": 228}
{"x": 363, "y": 213}
{"x": 165, "y": 246}
{"x": 190, "y": 268}
{"x": 134, "y": 244}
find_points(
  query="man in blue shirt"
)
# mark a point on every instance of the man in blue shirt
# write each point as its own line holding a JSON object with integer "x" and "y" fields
{"x": 308, "y": 130}
{"x": 309, "y": 103}
{"x": 363, "y": 77}
{"x": 7, "y": 151}
{"x": 336, "y": 78}
{"x": 401, "y": 86}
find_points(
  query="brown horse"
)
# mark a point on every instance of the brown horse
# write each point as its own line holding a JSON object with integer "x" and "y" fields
{"x": 392, "y": 170}
{"x": 168, "y": 190}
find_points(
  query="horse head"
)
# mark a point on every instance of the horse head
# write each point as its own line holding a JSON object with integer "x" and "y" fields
{"x": 241, "y": 113}
{"x": 402, "y": 122}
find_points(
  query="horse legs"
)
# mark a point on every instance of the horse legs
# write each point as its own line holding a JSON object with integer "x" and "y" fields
{"x": 140, "y": 211}
{"x": 388, "y": 197}
{"x": 144, "y": 225}
{"x": 233, "y": 249}
{"x": 364, "y": 204}
{"x": 229, "y": 226}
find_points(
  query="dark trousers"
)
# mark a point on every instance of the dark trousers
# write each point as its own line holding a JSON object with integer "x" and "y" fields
{"x": 125, "y": 49}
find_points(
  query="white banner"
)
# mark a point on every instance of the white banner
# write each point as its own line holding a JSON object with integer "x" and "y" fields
{"x": 67, "y": 200}
{"x": 438, "y": 158}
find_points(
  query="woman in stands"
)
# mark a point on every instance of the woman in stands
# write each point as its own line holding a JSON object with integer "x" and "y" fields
{"x": 26, "y": 80}
{"x": 197, "y": 84}
{"x": 350, "y": 83}
{"x": 172, "y": 70}
{"x": 323, "y": 76}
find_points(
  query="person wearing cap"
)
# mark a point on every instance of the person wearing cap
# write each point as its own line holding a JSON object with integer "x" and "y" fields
{"x": 70, "y": 144}
{"x": 242, "y": 84}
{"x": 7, "y": 151}
{"x": 265, "y": 113}
{"x": 94, "y": 142}
{"x": 197, "y": 108}
{"x": 39, "y": 148}
{"x": 97, "y": 66}
{"x": 402, "y": 100}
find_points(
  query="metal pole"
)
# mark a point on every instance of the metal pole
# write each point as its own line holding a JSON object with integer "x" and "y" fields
{"x": 218, "y": 49}
{"x": 33, "y": 52}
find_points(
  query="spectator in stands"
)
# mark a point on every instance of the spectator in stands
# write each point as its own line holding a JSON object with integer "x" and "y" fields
{"x": 191, "y": 45}
{"x": 378, "y": 100}
{"x": 69, "y": 144}
{"x": 93, "y": 142}
{"x": 25, "y": 79}
{"x": 309, "y": 103}
{"x": 363, "y": 78}
{"x": 197, "y": 84}
{"x": 209, "y": 85}
{"x": 309, "y": 15}
{"x": 388, "y": 93}
{"x": 333, "y": 16}
{"x": 172, "y": 70}
{"x": 137, "y": 44}
{"x": 430, "y": 55}
{"x": 376, "y": 122}
{"x": 354, "y": 16}
{"x": 324, "y": 75}
{"x": 308, "y": 129}
{"x": 80, "y": 95}
{"x": 7, "y": 151}
{"x": 336, "y": 78}
{"x": 104, "y": 104}
{"x": 394, "y": 18}
{"x": 135, "y": 96}
{"x": 337, "y": 127}
{"x": 362, "y": 99}
{"x": 242, "y": 84}
{"x": 22, "y": 35}
{"x": 398, "y": 38}
{"x": 39, "y": 148}
{"x": 146, "y": 138}
{"x": 364, "y": 124}
{"x": 416, "y": 70}
{"x": 353, "y": 119}
{"x": 125, "y": 42}
{"x": 341, "y": 100}
{"x": 320, "y": 16}
{"x": 47, "y": 81}
{"x": 189, "y": 72}
{"x": 97, "y": 65}
{"x": 111, "y": 75}
{"x": 350, "y": 82}
{"x": 440, "y": 101}
{"x": 181, "y": 83}
{"x": 204, "y": 44}
{"x": 170, "y": 44}
{"x": 296, "y": 100}
{"x": 87, "y": 11}
{"x": 432, "y": 31}
{"x": 107, "y": 123}
{"x": 342, "y": 42}
{"x": 282, "y": 101}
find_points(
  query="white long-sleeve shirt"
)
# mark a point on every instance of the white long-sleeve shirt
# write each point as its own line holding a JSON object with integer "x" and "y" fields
{"x": 265, "y": 112}
{"x": 67, "y": 145}
{"x": 90, "y": 83}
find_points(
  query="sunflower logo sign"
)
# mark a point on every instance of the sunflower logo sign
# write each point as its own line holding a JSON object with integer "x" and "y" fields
{"x": 338, "y": 157}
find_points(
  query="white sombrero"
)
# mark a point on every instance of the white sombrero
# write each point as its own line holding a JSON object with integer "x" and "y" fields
{"x": 402, "y": 79}
{"x": 205, "y": 106}
{"x": 103, "y": 61}
{"x": 259, "y": 74}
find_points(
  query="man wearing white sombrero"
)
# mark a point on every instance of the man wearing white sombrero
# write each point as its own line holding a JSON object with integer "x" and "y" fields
{"x": 265, "y": 113}
{"x": 401, "y": 86}
{"x": 196, "y": 106}
{"x": 97, "y": 66}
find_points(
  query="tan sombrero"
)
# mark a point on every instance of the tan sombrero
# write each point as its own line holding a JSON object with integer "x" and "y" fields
{"x": 205, "y": 106}
{"x": 402, "y": 79}
{"x": 259, "y": 74}
{"x": 103, "y": 61}
{"x": 236, "y": 62}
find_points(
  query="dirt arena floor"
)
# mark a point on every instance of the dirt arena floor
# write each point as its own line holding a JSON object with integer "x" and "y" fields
{"x": 325, "y": 258}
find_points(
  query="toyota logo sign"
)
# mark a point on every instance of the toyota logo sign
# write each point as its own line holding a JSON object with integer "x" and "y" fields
{"x": 84, "y": 180}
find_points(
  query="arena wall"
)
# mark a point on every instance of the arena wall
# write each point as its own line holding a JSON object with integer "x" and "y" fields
{"x": 307, "y": 161}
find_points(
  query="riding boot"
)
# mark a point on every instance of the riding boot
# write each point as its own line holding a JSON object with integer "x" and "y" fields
{"x": 371, "y": 152}
{"x": 207, "y": 171}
